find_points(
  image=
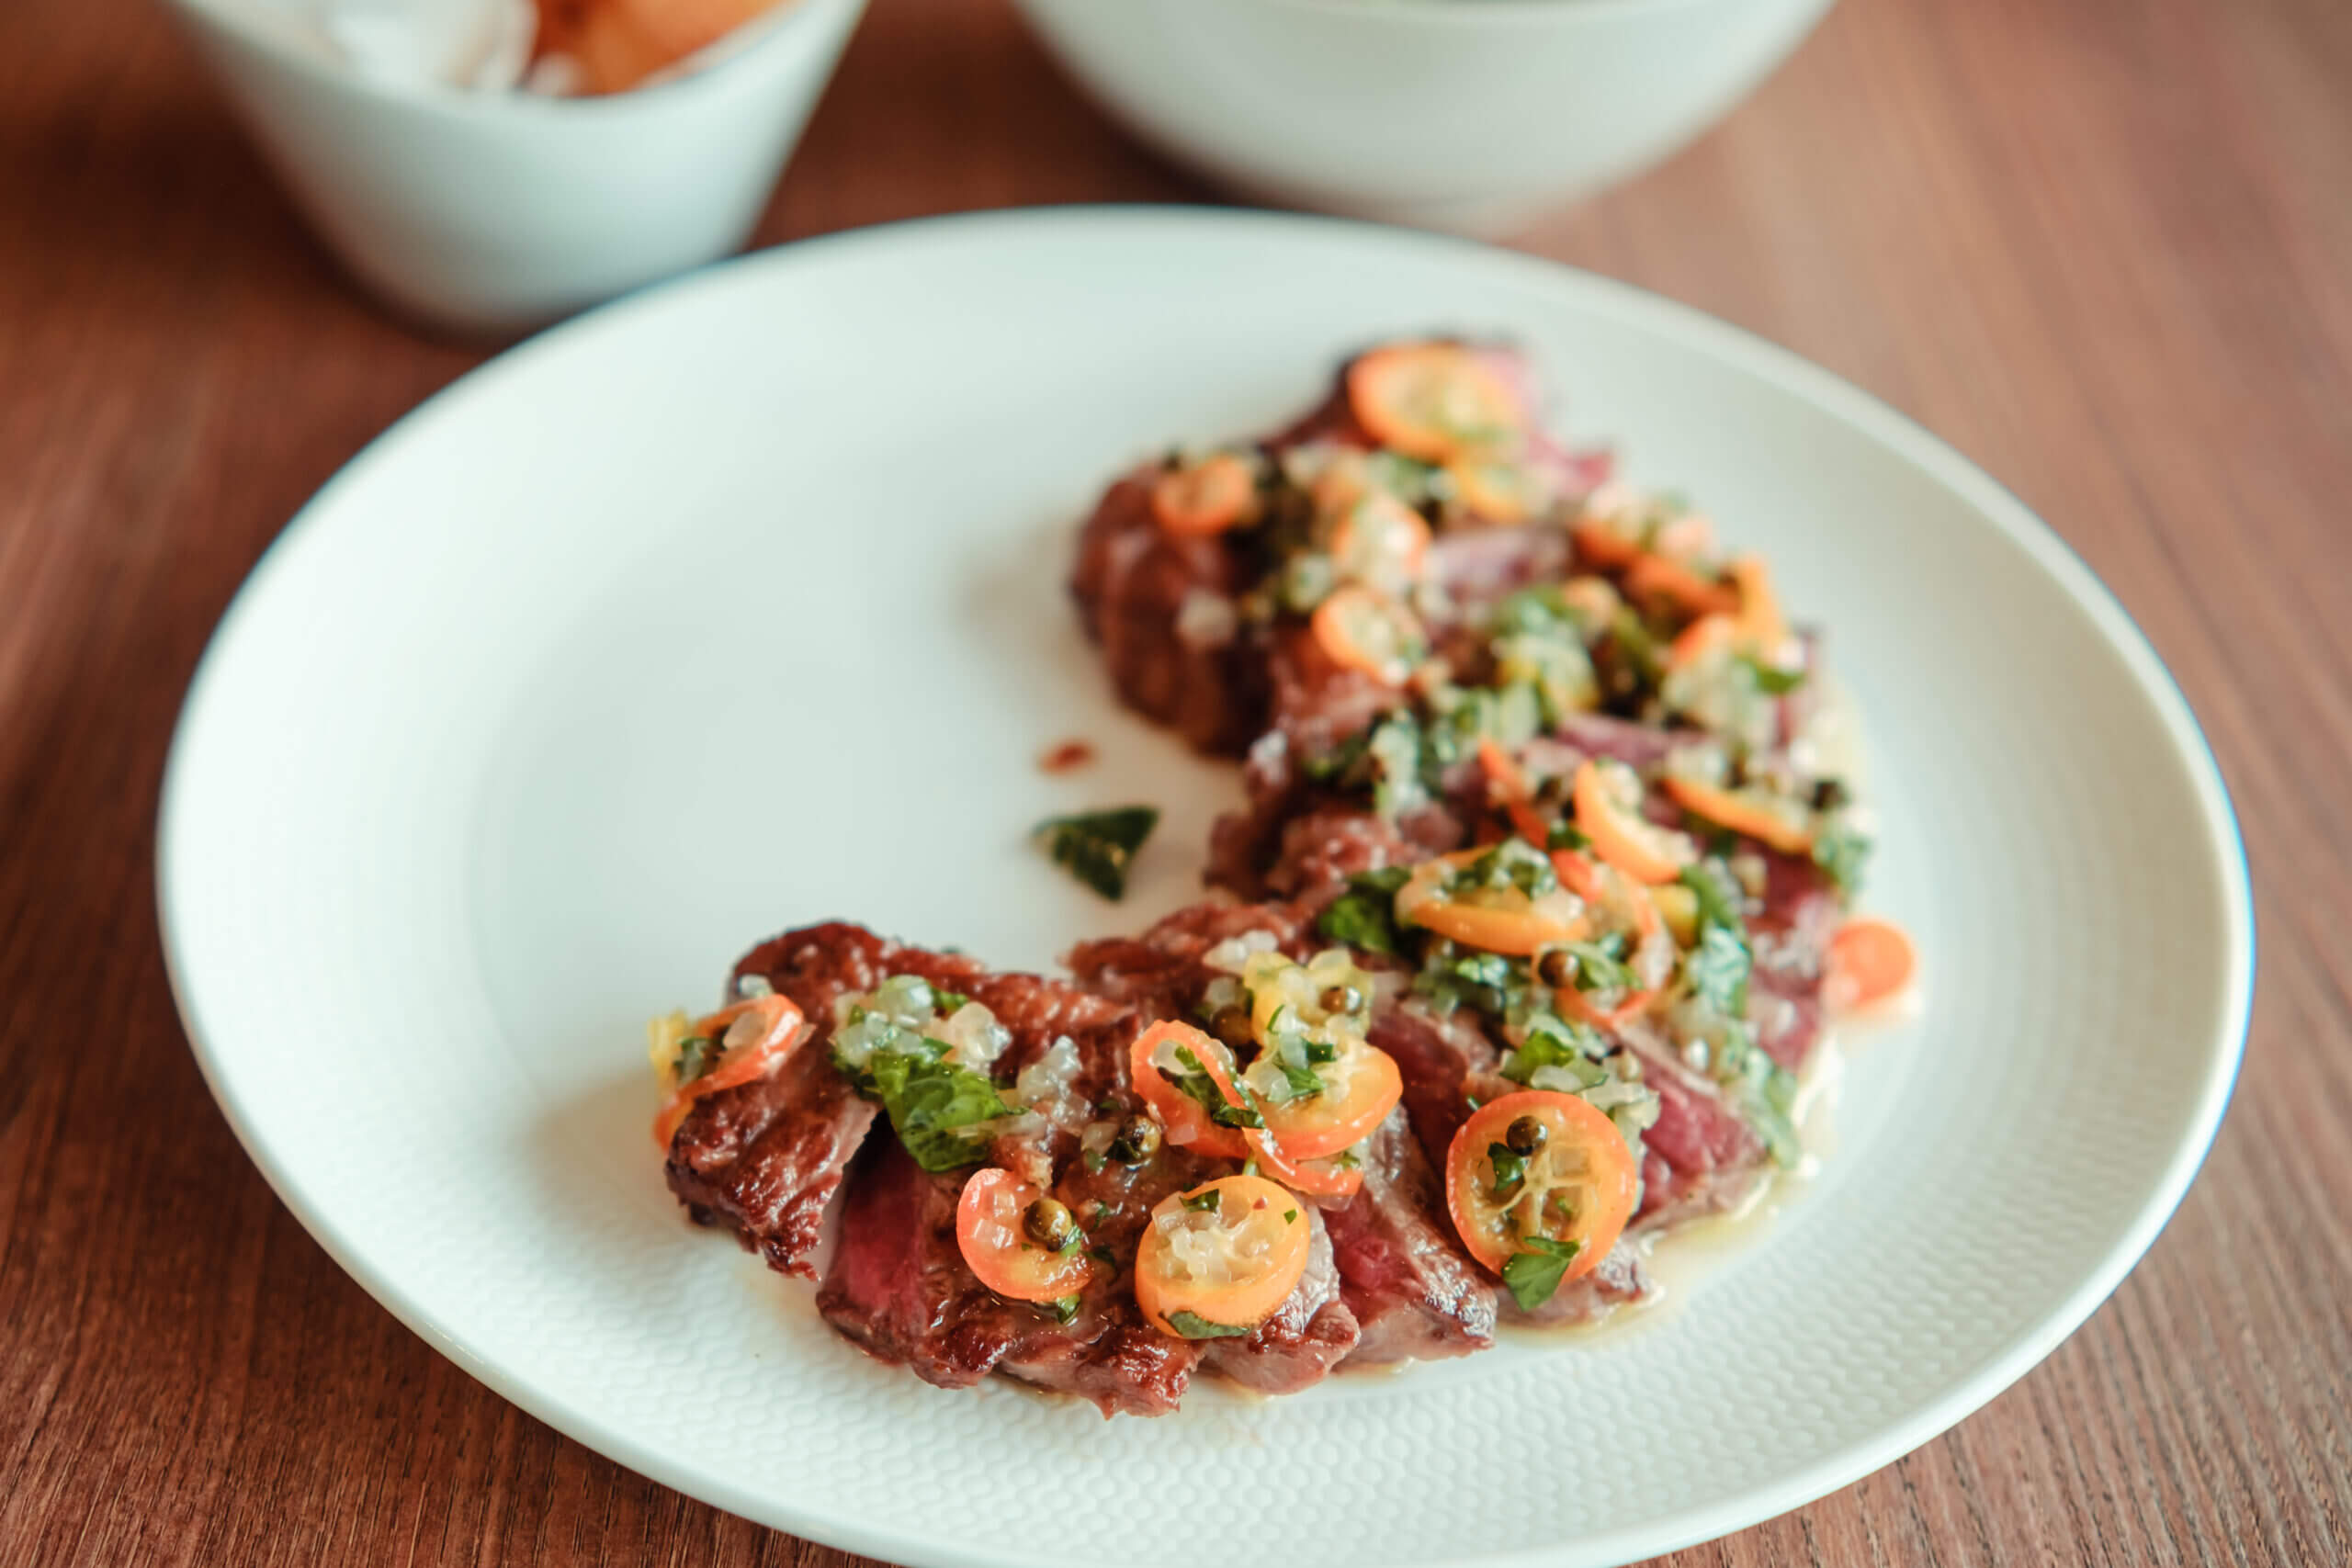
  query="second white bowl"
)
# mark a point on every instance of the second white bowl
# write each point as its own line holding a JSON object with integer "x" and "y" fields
{"x": 1470, "y": 114}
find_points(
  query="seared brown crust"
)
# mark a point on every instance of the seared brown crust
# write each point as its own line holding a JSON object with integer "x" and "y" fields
{"x": 1132, "y": 582}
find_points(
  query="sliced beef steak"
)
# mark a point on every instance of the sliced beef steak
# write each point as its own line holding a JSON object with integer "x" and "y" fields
{"x": 899, "y": 1287}
{"x": 1308, "y": 1336}
{"x": 1162, "y": 607}
{"x": 1416, "y": 1294}
{"x": 767, "y": 1157}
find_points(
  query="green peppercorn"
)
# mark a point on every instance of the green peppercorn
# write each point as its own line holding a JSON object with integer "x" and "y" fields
{"x": 1341, "y": 999}
{"x": 1558, "y": 967}
{"x": 1049, "y": 1224}
{"x": 1136, "y": 1141}
{"x": 1525, "y": 1136}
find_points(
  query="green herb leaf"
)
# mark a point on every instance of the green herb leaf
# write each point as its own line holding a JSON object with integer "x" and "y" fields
{"x": 1203, "y": 1202}
{"x": 1841, "y": 852}
{"x": 1535, "y": 1273}
{"x": 1364, "y": 920}
{"x": 1597, "y": 968}
{"x": 1772, "y": 679}
{"x": 1575, "y": 1047}
{"x": 1511, "y": 1171}
{"x": 698, "y": 1054}
{"x": 1097, "y": 846}
{"x": 1192, "y": 1325}
{"x": 1195, "y": 1085}
{"x": 947, "y": 1001}
{"x": 1717, "y": 970}
{"x": 1066, "y": 1309}
{"x": 1718, "y": 896}
{"x": 939, "y": 1110}
{"x": 1304, "y": 1084}
{"x": 1566, "y": 835}
{"x": 1290, "y": 1216}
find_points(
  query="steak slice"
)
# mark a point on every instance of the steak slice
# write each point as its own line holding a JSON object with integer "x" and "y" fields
{"x": 1162, "y": 607}
{"x": 766, "y": 1157}
{"x": 1791, "y": 931}
{"x": 1416, "y": 1294}
{"x": 899, "y": 1287}
{"x": 1162, "y": 973}
{"x": 1308, "y": 1336}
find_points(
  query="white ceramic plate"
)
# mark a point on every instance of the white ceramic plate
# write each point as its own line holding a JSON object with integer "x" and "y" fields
{"x": 740, "y": 606}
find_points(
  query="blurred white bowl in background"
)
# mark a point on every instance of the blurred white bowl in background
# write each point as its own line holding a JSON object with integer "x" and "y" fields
{"x": 1469, "y": 115}
{"x": 499, "y": 211}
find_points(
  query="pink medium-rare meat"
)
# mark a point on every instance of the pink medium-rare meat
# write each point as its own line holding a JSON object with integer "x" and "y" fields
{"x": 1415, "y": 1291}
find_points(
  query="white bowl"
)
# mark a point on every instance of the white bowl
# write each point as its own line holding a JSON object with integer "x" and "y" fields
{"x": 1469, "y": 115}
{"x": 500, "y": 211}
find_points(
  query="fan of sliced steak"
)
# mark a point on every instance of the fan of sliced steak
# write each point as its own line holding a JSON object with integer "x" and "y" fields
{"x": 768, "y": 1157}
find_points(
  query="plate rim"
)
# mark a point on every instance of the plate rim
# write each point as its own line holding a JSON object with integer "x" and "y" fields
{"x": 1785, "y": 369}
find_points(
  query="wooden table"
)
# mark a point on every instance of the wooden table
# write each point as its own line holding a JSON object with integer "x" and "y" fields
{"x": 2104, "y": 246}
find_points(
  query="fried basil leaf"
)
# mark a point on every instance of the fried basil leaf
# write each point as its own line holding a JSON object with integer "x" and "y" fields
{"x": 1533, "y": 1275}
{"x": 939, "y": 1110}
{"x": 1097, "y": 846}
{"x": 1192, "y": 1325}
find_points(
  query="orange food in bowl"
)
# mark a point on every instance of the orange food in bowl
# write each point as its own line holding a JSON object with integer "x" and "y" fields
{"x": 616, "y": 44}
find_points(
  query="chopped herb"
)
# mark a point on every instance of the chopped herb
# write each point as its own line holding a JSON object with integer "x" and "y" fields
{"x": 1574, "y": 1048}
{"x": 1535, "y": 1273}
{"x": 1399, "y": 752}
{"x": 1365, "y": 916}
{"x": 1364, "y": 920}
{"x": 947, "y": 1001}
{"x": 1346, "y": 1160}
{"x": 1718, "y": 967}
{"x": 1511, "y": 1171}
{"x": 1203, "y": 1202}
{"x": 938, "y": 1108}
{"x": 698, "y": 1054}
{"x": 1718, "y": 896}
{"x": 1095, "y": 1160}
{"x": 1340, "y": 760}
{"x": 1454, "y": 977}
{"x": 1321, "y": 1051}
{"x": 1772, "y": 679}
{"x": 1195, "y": 1085}
{"x": 1599, "y": 968}
{"x": 1566, "y": 835}
{"x": 1192, "y": 1325}
{"x": 1841, "y": 852}
{"x": 1066, "y": 1309}
{"x": 1304, "y": 1084}
{"x": 1290, "y": 1216}
{"x": 1097, "y": 846}
{"x": 1717, "y": 970}
{"x": 1104, "y": 1256}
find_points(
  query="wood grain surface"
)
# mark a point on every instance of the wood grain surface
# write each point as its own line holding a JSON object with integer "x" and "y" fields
{"x": 2104, "y": 246}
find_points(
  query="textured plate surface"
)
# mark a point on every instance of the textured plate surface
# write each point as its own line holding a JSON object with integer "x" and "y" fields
{"x": 739, "y": 606}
